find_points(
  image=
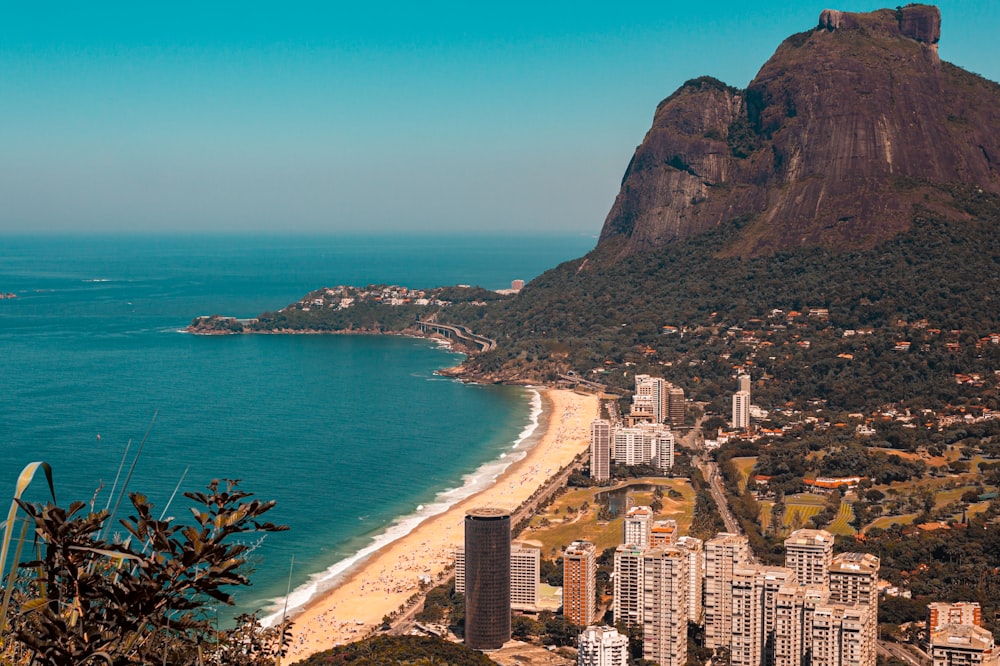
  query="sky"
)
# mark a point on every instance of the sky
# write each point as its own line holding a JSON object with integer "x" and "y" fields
{"x": 390, "y": 117}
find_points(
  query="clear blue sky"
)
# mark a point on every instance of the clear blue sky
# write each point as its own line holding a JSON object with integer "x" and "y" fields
{"x": 377, "y": 116}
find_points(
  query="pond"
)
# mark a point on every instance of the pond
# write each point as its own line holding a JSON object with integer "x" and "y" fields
{"x": 617, "y": 500}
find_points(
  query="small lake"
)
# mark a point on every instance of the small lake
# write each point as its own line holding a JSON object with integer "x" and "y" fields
{"x": 617, "y": 500}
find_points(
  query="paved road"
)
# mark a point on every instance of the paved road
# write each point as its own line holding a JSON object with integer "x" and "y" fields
{"x": 710, "y": 470}
{"x": 905, "y": 653}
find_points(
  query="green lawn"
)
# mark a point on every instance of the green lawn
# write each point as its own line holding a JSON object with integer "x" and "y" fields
{"x": 563, "y": 526}
{"x": 842, "y": 523}
{"x": 889, "y": 521}
{"x": 765, "y": 514}
{"x": 745, "y": 467}
{"x": 798, "y": 515}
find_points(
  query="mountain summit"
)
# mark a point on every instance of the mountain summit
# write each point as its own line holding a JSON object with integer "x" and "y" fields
{"x": 840, "y": 139}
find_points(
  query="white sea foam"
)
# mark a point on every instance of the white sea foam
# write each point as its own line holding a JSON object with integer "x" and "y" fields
{"x": 473, "y": 483}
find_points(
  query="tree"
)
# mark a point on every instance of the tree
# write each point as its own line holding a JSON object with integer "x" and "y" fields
{"x": 146, "y": 599}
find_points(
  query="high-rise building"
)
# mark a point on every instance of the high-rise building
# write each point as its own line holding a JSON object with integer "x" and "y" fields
{"x": 600, "y": 450}
{"x": 793, "y": 613}
{"x": 663, "y": 456}
{"x": 663, "y": 533}
{"x": 525, "y": 573}
{"x": 664, "y": 606}
{"x": 810, "y": 553}
{"x": 643, "y": 444}
{"x": 676, "y": 405}
{"x": 941, "y": 613}
{"x": 487, "y": 578}
{"x": 580, "y": 583}
{"x": 741, "y": 410}
{"x": 633, "y": 446}
{"x": 628, "y": 582}
{"x": 723, "y": 553}
{"x": 460, "y": 570}
{"x": 695, "y": 550}
{"x": 754, "y": 608}
{"x": 637, "y": 526}
{"x": 963, "y": 645}
{"x": 840, "y": 636}
{"x": 743, "y": 383}
{"x": 602, "y": 646}
{"x": 854, "y": 580}
{"x": 650, "y": 397}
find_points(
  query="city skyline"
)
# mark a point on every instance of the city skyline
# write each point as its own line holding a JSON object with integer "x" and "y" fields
{"x": 380, "y": 118}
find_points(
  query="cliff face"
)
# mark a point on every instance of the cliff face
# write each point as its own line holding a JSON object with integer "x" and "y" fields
{"x": 834, "y": 142}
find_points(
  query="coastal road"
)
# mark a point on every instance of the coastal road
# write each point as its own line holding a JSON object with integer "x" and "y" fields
{"x": 461, "y": 332}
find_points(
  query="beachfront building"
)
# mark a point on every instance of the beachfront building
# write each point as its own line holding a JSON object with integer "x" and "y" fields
{"x": 642, "y": 444}
{"x": 580, "y": 583}
{"x": 628, "y": 582}
{"x": 460, "y": 570}
{"x": 600, "y": 450}
{"x": 664, "y": 606}
{"x": 810, "y": 554}
{"x": 695, "y": 550}
{"x": 602, "y": 646}
{"x": 633, "y": 446}
{"x": 487, "y": 578}
{"x": 525, "y": 572}
{"x": 645, "y": 444}
{"x": 637, "y": 526}
{"x": 723, "y": 553}
{"x": 525, "y": 575}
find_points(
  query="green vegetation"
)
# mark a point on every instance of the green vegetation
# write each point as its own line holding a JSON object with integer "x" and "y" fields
{"x": 83, "y": 598}
{"x": 933, "y": 285}
{"x": 579, "y": 513}
{"x": 945, "y": 565}
{"x": 744, "y": 466}
{"x": 402, "y": 650}
{"x": 742, "y": 137}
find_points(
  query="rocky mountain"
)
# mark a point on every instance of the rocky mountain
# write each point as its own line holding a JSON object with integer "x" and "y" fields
{"x": 844, "y": 135}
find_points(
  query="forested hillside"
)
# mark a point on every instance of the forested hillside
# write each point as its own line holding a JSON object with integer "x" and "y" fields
{"x": 690, "y": 315}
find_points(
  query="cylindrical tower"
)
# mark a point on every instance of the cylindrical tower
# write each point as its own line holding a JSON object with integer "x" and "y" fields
{"x": 487, "y": 578}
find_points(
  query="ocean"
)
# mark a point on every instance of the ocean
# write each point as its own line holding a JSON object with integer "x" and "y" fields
{"x": 355, "y": 437}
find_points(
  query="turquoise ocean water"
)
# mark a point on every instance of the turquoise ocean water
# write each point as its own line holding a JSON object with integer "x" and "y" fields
{"x": 354, "y": 436}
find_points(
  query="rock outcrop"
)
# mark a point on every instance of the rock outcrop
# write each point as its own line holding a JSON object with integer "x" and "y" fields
{"x": 841, "y": 136}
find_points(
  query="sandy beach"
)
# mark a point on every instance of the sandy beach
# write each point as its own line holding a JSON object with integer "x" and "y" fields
{"x": 392, "y": 575}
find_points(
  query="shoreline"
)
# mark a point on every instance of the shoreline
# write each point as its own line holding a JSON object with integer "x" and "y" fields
{"x": 473, "y": 483}
{"x": 381, "y": 581}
